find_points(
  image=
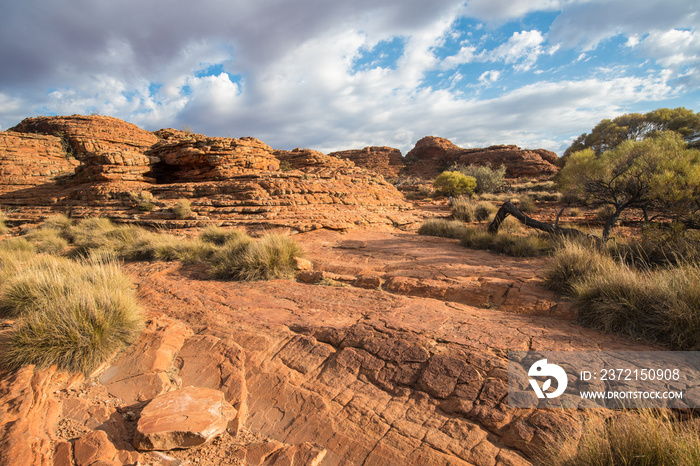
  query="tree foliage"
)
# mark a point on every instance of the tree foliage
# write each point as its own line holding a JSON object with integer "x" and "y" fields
{"x": 607, "y": 134}
{"x": 488, "y": 180}
{"x": 659, "y": 172}
{"x": 454, "y": 184}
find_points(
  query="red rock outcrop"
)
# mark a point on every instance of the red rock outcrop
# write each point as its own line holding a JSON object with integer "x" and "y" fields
{"x": 110, "y": 149}
{"x": 385, "y": 161}
{"x": 187, "y": 157}
{"x": 28, "y": 160}
{"x": 432, "y": 155}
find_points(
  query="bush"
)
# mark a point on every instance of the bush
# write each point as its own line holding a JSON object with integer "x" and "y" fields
{"x": 182, "y": 209}
{"x": 73, "y": 314}
{"x": 443, "y": 228}
{"x": 454, "y": 184}
{"x": 466, "y": 210}
{"x": 646, "y": 437}
{"x": 272, "y": 256}
{"x": 143, "y": 201}
{"x": 488, "y": 180}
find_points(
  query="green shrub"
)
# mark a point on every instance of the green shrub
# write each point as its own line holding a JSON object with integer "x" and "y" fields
{"x": 488, "y": 180}
{"x": 443, "y": 228}
{"x": 73, "y": 314}
{"x": 182, "y": 209}
{"x": 272, "y": 256}
{"x": 454, "y": 184}
{"x": 644, "y": 438}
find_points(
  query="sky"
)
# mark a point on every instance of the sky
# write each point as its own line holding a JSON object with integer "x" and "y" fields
{"x": 337, "y": 75}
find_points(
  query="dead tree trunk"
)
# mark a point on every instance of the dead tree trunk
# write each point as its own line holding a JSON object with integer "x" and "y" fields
{"x": 509, "y": 209}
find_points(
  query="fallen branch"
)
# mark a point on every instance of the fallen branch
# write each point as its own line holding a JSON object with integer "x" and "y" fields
{"x": 509, "y": 209}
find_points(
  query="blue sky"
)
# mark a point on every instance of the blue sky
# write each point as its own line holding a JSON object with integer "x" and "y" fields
{"x": 334, "y": 75}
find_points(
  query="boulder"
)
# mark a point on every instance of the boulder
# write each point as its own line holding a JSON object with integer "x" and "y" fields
{"x": 182, "y": 419}
{"x": 92, "y": 447}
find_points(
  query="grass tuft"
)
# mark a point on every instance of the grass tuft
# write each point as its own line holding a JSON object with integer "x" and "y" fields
{"x": 272, "y": 256}
{"x": 443, "y": 228}
{"x": 73, "y": 314}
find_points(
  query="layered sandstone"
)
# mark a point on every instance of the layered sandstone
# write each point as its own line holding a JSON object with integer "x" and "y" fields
{"x": 28, "y": 160}
{"x": 109, "y": 149}
{"x": 432, "y": 155}
{"x": 182, "y": 157}
{"x": 385, "y": 161}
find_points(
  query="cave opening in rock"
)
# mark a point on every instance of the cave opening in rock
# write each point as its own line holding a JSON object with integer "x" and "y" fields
{"x": 164, "y": 173}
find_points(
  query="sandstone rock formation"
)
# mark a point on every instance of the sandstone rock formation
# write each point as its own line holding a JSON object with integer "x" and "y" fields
{"x": 432, "y": 155}
{"x": 183, "y": 157}
{"x": 229, "y": 181}
{"x": 385, "y": 161}
{"x": 28, "y": 160}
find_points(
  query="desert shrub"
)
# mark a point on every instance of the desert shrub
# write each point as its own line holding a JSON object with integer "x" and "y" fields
{"x": 60, "y": 223}
{"x": 443, "y": 228}
{"x": 73, "y": 314}
{"x": 467, "y": 210}
{"x": 272, "y": 256}
{"x": 661, "y": 305}
{"x": 529, "y": 245}
{"x": 574, "y": 261}
{"x": 454, "y": 184}
{"x": 182, "y": 209}
{"x": 526, "y": 204}
{"x": 488, "y": 180}
{"x": 220, "y": 236}
{"x": 143, "y": 201}
{"x": 644, "y": 438}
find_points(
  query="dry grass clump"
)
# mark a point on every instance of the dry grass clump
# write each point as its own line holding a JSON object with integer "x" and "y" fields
{"x": 3, "y": 227}
{"x": 468, "y": 210}
{"x": 71, "y": 313}
{"x": 272, "y": 256}
{"x": 530, "y": 245}
{"x": 219, "y": 236}
{"x": 640, "y": 438}
{"x": 657, "y": 304}
{"x": 182, "y": 209}
{"x": 443, "y": 228}
{"x": 48, "y": 241}
{"x": 143, "y": 201}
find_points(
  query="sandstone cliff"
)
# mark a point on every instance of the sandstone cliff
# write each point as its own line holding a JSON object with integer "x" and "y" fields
{"x": 101, "y": 161}
{"x": 385, "y": 161}
{"x": 432, "y": 155}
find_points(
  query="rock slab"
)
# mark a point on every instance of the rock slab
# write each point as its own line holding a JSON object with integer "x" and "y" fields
{"x": 182, "y": 419}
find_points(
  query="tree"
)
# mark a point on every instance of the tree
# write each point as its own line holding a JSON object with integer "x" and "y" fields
{"x": 607, "y": 134}
{"x": 454, "y": 184}
{"x": 658, "y": 172}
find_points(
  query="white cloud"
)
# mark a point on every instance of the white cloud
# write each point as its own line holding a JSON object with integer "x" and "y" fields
{"x": 489, "y": 77}
{"x": 672, "y": 49}
{"x": 521, "y": 50}
{"x": 499, "y": 10}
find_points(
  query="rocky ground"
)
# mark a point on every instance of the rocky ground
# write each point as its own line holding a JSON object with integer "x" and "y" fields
{"x": 394, "y": 346}
{"x": 388, "y": 348}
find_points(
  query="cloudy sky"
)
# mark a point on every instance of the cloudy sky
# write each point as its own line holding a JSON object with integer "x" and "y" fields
{"x": 346, "y": 74}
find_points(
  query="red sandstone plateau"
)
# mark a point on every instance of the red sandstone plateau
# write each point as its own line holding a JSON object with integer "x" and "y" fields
{"x": 388, "y": 347}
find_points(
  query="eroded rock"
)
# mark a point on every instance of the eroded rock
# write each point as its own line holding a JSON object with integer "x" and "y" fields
{"x": 184, "y": 418}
